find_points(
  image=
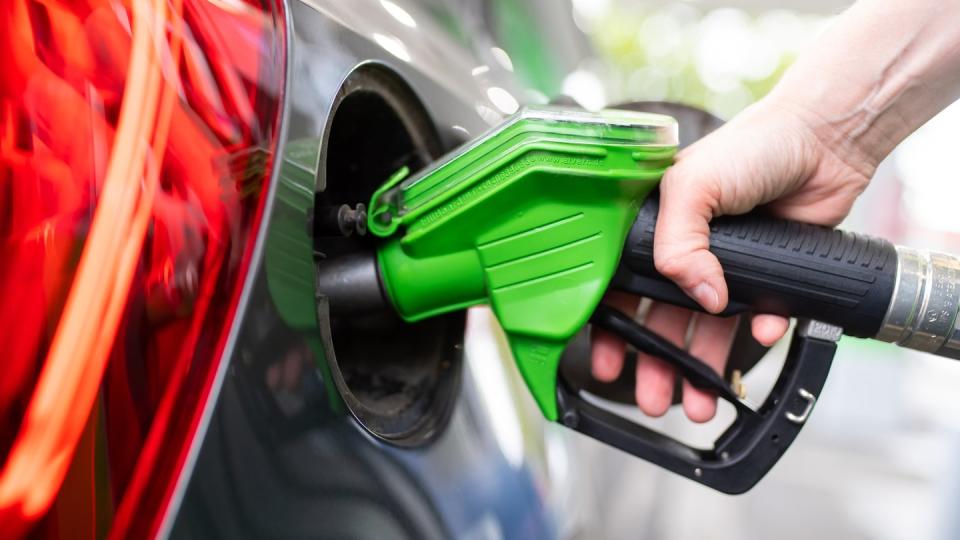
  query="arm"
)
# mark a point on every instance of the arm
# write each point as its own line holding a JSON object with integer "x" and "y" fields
{"x": 880, "y": 72}
{"x": 807, "y": 150}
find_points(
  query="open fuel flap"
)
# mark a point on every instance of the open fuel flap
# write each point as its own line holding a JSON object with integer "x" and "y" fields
{"x": 398, "y": 379}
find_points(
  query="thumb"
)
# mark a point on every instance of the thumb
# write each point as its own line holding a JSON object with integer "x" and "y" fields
{"x": 682, "y": 238}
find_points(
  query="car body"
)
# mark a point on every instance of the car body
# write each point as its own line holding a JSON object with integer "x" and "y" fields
{"x": 265, "y": 438}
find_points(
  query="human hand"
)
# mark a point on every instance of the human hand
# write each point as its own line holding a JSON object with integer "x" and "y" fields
{"x": 774, "y": 153}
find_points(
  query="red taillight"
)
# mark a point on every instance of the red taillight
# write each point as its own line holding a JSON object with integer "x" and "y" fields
{"x": 136, "y": 142}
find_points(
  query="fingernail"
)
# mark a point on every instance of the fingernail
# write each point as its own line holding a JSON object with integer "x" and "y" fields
{"x": 706, "y": 296}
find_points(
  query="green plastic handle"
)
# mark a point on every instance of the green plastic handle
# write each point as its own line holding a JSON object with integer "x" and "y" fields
{"x": 530, "y": 218}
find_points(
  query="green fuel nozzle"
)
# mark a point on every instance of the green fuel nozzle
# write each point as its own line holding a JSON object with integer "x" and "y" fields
{"x": 530, "y": 218}
{"x": 544, "y": 213}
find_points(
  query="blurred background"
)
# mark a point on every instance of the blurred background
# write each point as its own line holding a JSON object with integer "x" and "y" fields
{"x": 877, "y": 459}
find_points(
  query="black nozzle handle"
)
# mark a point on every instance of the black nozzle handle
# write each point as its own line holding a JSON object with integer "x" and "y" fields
{"x": 778, "y": 266}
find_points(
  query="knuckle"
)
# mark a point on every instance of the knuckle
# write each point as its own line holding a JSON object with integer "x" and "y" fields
{"x": 670, "y": 265}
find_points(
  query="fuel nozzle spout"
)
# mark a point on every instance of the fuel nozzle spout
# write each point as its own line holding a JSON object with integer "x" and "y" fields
{"x": 926, "y": 301}
{"x": 351, "y": 285}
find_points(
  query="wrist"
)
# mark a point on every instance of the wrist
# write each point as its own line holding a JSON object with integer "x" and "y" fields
{"x": 831, "y": 128}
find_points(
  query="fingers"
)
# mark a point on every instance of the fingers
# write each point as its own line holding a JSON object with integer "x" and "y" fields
{"x": 768, "y": 329}
{"x": 608, "y": 349}
{"x": 682, "y": 239}
{"x": 711, "y": 343}
{"x": 607, "y": 356}
{"x": 655, "y": 379}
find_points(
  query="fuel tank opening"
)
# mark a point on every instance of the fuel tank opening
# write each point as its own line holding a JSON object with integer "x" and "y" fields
{"x": 398, "y": 380}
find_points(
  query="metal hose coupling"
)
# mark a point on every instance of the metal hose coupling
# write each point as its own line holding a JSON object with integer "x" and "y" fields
{"x": 926, "y": 300}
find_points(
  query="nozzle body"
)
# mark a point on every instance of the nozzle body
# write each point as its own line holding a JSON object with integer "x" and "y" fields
{"x": 530, "y": 219}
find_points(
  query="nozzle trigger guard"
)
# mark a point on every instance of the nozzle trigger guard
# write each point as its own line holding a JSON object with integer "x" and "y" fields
{"x": 749, "y": 447}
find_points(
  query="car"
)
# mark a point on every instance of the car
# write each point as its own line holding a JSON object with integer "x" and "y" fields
{"x": 174, "y": 176}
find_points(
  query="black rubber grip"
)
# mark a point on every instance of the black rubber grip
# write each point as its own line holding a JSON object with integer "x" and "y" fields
{"x": 778, "y": 266}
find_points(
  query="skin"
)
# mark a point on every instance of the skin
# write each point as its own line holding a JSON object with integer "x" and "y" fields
{"x": 805, "y": 152}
